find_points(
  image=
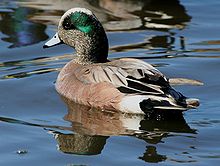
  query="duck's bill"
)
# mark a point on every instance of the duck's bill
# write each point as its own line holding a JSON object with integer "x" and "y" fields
{"x": 55, "y": 40}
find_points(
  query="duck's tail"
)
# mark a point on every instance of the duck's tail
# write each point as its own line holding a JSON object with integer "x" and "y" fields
{"x": 145, "y": 104}
{"x": 192, "y": 103}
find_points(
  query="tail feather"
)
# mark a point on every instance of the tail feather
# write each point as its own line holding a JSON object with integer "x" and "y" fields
{"x": 150, "y": 104}
{"x": 192, "y": 103}
{"x": 170, "y": 108}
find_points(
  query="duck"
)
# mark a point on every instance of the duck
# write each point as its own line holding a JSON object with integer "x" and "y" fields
{"x": 126, "y": 85}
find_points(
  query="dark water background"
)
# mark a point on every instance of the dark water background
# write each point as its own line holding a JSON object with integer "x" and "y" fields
{"x": 182, "y": 38}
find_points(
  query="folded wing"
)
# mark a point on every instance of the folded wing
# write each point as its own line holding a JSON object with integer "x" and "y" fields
{"x": 128, "y": 75}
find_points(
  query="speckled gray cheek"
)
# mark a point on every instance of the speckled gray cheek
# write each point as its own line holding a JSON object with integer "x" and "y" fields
{"x": 65, "y": 36}
{"x": 78, "y": 40}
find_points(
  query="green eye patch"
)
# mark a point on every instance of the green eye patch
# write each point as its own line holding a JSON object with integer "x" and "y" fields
{"x": 80, "y": 21}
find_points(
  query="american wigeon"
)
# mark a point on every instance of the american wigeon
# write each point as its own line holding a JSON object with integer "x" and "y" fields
{"x": 126, "y": 84}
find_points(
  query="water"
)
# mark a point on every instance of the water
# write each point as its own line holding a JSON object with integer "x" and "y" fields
{"x": 180, "y": 37}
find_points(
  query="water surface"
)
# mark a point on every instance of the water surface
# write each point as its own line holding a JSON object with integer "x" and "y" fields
{"x": 181, "y": 38}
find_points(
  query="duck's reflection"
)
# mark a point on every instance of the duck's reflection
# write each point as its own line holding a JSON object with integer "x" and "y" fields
{"x": 80, "y": 144}
{"x": 92, "y": 127}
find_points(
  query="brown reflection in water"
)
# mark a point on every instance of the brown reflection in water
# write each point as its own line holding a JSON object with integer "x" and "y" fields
{"x": 119, "y": 14}
{"x": 80, "y": 144}
{"x": 91, "y": 121}
{"x": 20, "y": 31}
{"x": 93, "y": 127}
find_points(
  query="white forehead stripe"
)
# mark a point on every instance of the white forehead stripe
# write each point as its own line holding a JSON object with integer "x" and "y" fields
{"x": 73, "y": 10}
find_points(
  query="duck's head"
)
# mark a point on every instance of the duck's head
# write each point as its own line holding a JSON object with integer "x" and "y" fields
{"x": 80, "y": 29}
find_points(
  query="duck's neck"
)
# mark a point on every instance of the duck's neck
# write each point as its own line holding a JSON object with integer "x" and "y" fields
{"x": 92, "y": 49}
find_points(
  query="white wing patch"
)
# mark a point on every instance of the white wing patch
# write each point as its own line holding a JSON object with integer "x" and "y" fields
{"x": 130, "y": 104}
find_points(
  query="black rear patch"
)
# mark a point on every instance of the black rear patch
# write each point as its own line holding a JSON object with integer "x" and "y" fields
{"x": 147, "y": 106}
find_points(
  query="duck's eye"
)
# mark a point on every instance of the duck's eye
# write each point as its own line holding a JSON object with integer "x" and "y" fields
{"x": 66, "y": 25}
